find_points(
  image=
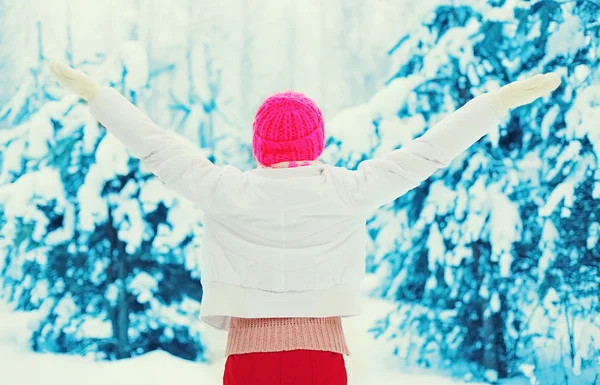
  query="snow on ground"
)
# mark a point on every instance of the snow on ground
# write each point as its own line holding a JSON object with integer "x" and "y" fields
{"x": 370, "y": 363}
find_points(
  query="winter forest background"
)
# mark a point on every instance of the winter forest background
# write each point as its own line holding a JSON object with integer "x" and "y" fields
{"x": 487, "y": 272}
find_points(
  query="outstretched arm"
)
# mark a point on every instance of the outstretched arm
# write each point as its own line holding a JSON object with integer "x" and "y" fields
{"x": 170, "y": 157}
{"x": 380, "y": 181}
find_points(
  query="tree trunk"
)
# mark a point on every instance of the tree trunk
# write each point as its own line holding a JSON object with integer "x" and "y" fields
{"x": 292, "y": 46}
{"x": 246, "y": 73}
{"x": 120, "y": 312}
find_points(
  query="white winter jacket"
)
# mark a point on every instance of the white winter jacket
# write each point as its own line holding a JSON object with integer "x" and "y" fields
{"x": 286, "y": 242}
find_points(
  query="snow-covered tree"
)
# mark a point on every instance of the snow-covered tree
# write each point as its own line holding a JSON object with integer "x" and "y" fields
{"x": 473, "y": 253}
{"x": 99, "y": 247}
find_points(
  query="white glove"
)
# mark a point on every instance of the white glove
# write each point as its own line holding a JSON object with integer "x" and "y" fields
{"x": 522, "y": 92}
{"x": 78, "y": 82}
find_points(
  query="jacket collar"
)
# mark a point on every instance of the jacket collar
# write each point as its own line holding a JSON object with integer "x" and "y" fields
{"x": 292, "y": 164}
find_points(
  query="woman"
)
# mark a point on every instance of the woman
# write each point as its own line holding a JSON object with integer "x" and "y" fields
{"x": 283, "y": 254}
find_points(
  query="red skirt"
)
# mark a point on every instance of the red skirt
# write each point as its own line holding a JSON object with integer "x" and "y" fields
{"x": 296, "y": 367}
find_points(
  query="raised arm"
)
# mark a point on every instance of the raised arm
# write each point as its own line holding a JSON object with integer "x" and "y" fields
{"x": 380, "y": 181}
{"x": 170, "y": 157}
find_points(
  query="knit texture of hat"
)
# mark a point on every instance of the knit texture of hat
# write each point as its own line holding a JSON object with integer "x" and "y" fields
{"x": 288, "y": 127}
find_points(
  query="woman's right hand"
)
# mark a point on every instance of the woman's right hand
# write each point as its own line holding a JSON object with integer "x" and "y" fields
{"x": 78, "y": 82}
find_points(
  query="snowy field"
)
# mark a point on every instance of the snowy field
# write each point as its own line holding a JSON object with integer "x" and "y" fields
{"x": 370, "y": 363}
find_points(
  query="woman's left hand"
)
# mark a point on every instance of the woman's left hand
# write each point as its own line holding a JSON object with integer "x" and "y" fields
{"x": 522, "y": 92}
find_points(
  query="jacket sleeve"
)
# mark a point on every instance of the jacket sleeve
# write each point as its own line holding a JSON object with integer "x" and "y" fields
{"x": 170, "y": 157}
{"x": 379, "y": 181}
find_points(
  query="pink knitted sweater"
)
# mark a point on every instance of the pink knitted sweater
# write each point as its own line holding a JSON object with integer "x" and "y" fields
{"x": 282, "y": 334}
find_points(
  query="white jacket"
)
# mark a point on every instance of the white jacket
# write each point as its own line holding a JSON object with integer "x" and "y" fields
{"x": 286, "y": 242}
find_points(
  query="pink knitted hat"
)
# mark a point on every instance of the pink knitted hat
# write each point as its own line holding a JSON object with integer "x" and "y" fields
{"x": 288, "y": 127}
